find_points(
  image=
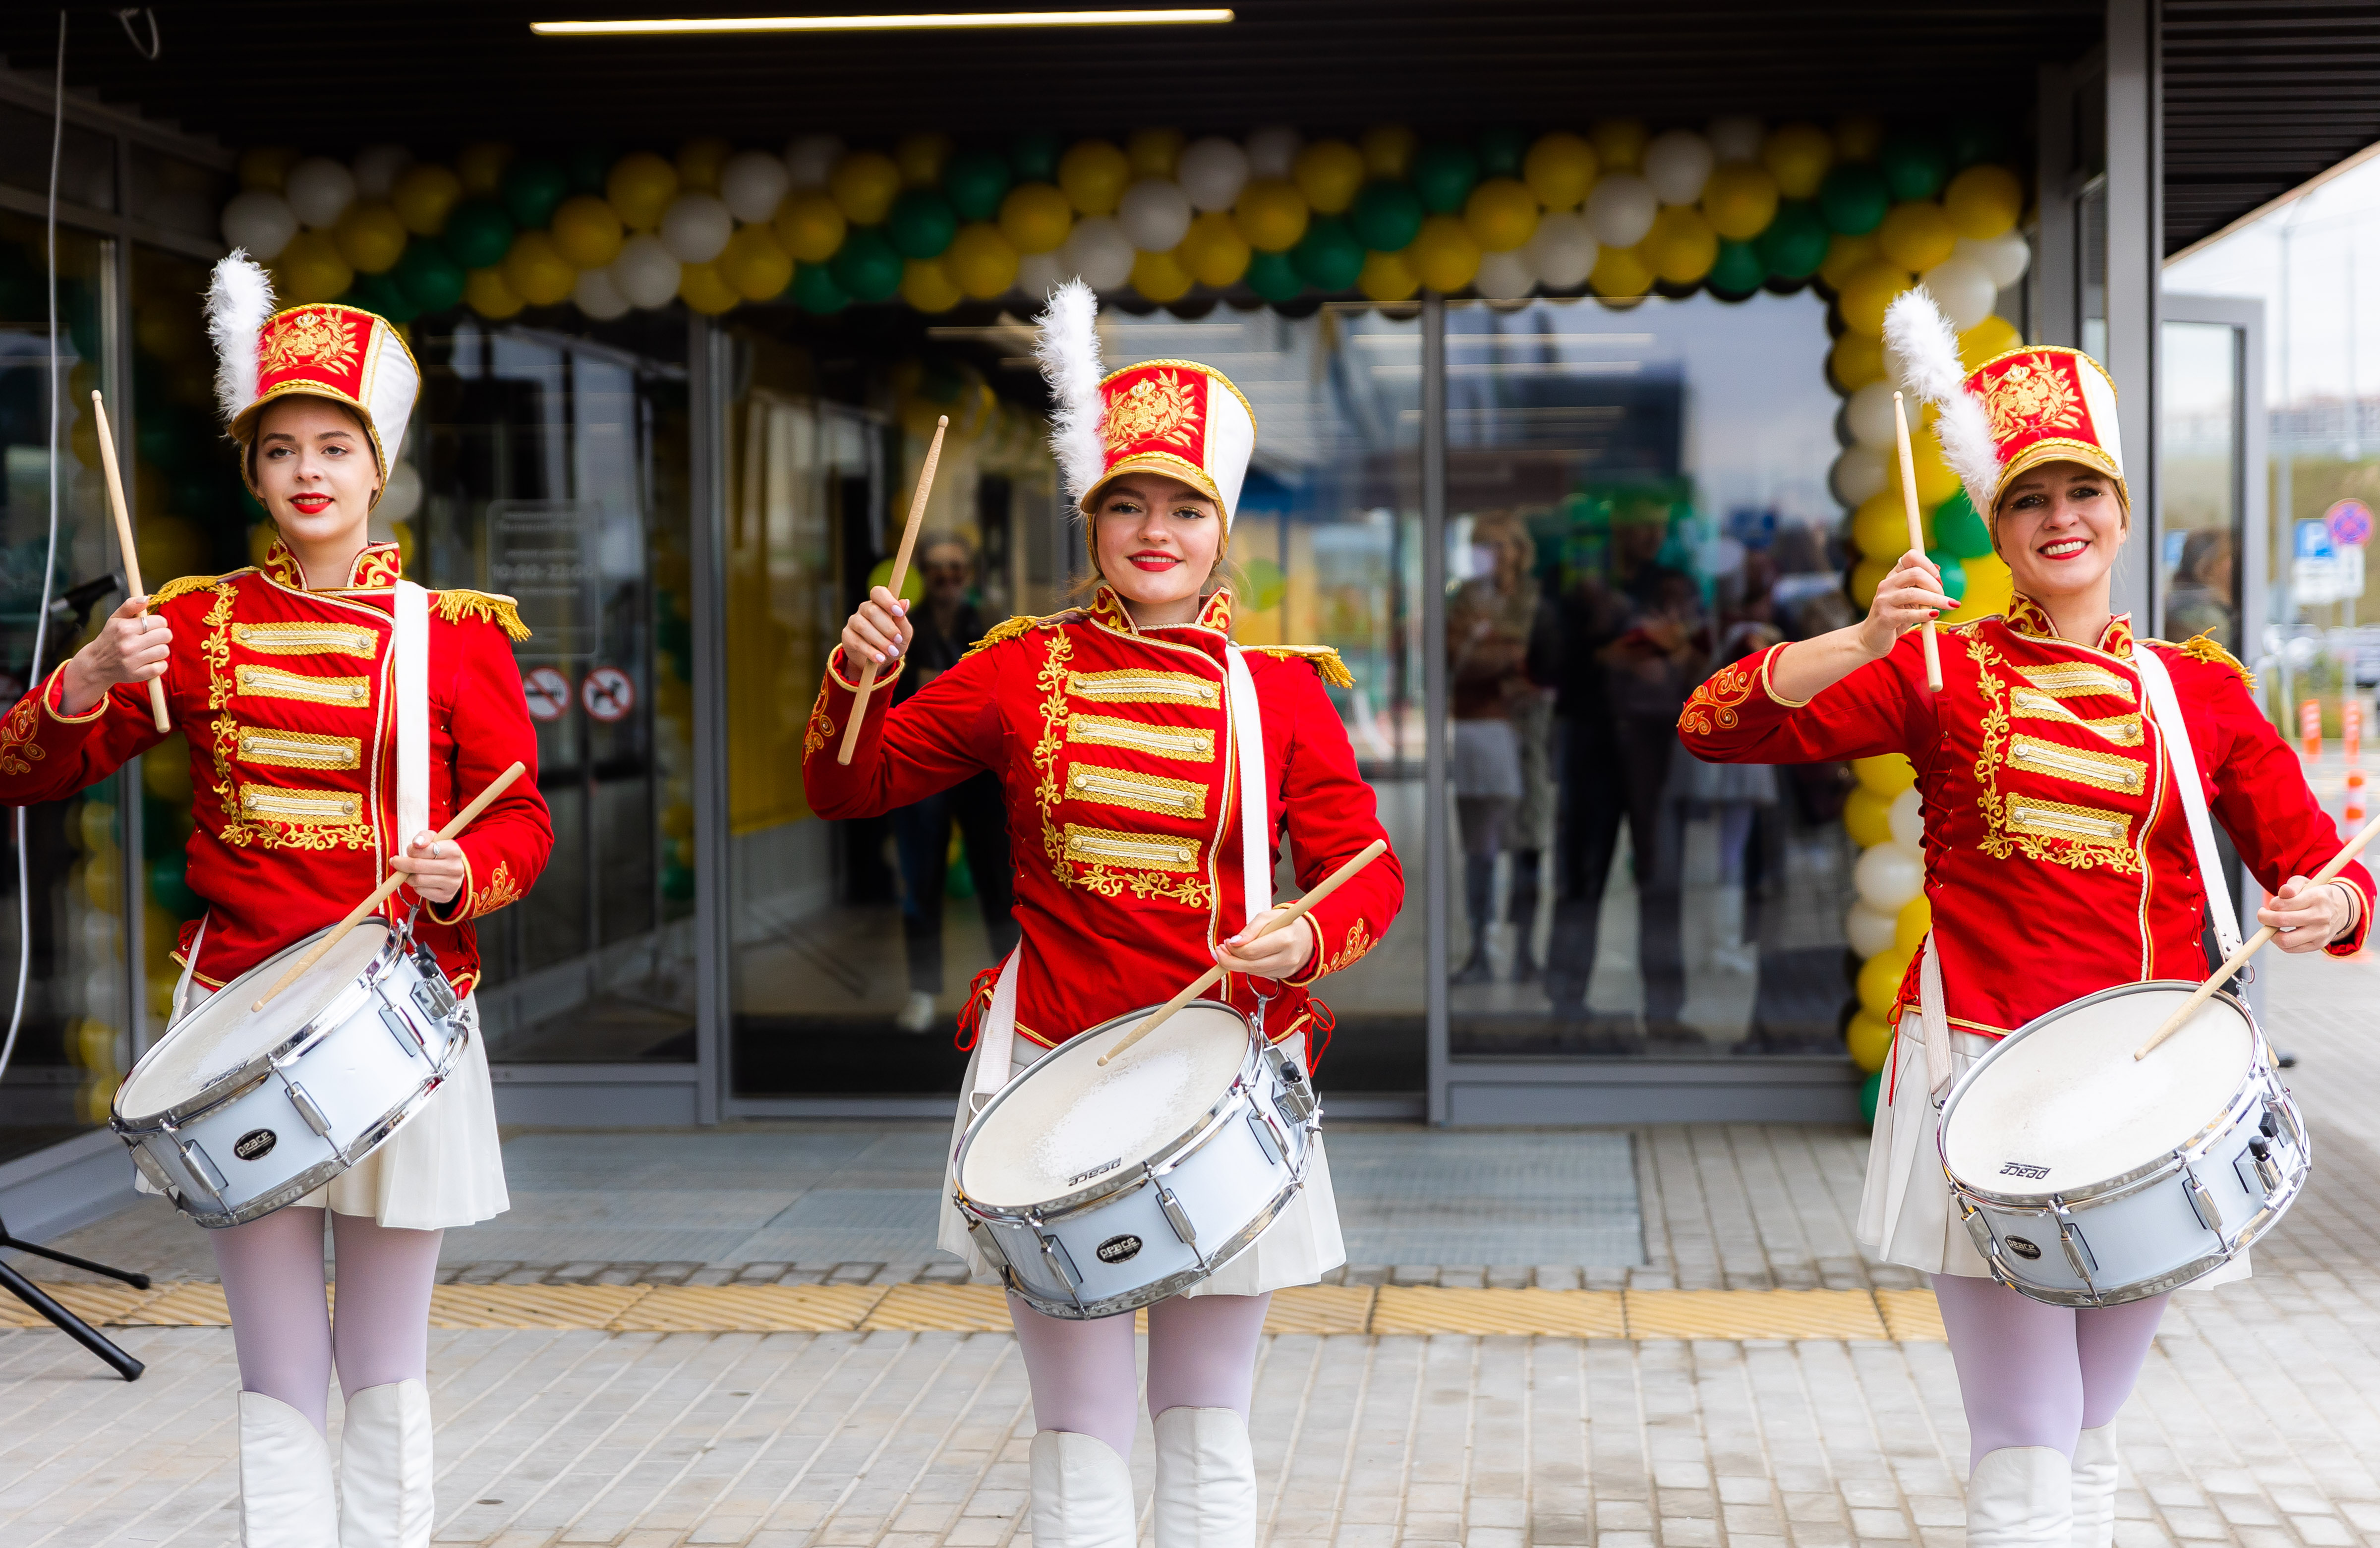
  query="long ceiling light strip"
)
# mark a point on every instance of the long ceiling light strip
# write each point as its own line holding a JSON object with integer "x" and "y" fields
{"x": 923, "y": 22}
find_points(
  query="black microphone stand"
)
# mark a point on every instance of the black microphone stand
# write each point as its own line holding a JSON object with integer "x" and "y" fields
{"x": 66, "y": 1321}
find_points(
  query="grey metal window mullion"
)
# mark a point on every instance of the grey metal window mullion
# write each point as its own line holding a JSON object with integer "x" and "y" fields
{"x": 707, "y": 353}
{"x": 1436, "y": 836}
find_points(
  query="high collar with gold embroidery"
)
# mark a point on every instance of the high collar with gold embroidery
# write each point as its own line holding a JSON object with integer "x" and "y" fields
{"x": 1107, "y": 609}
{"x": 2027, "y": 617}
{"x": 380, "y": 564}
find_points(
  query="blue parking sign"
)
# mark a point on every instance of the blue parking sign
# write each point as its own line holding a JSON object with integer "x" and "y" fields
{"x": 2314, "y": 540}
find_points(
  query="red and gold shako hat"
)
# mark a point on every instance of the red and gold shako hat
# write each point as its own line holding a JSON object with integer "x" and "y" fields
{"x": 322, "y": 350}
{"x": 2046, "y": 404}
{"x": 1179, "y": 418}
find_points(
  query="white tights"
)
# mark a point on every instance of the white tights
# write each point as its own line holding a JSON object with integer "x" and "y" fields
{"x": 2034, "y": 1375}
{"x": 1202, "y": 1354}
{"x": 280, "y": 1322}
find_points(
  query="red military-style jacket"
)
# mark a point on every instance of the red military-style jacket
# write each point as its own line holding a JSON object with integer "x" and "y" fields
{"x": 1114, "y": 747}
{"x": 287, "y": 698}
{"x": 2059, "y": 860}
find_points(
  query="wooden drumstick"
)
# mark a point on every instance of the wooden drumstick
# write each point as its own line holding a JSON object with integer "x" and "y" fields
{"x": 123, "y": 540}
{"x": 1213, "y": 975}
{"x": 2255, "y": 943}
{"x": 380, "y": 894}
{"x": 900, "y": 573}
{"x": 1916, "y": 532}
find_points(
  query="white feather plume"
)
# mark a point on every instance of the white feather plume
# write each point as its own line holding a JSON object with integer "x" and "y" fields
{"x": 239, "y": 301}
{"x": 1922, "y": 340}
{"x": 1068, "y": 348}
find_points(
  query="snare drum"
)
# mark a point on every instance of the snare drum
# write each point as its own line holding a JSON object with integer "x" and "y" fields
{"x": 1094, "y": 1191}
{"x": 236, "y": 1113}
{"x": 2088, "y": 1178}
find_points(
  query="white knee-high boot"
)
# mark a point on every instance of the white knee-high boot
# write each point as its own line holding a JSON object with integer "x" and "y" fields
{"x": 1081, "y": 1493}
{"x": 384, "y": 1469}
{"x": 2095, "y": 1487}
{"x": 1206, "y": 1479}
{"x": 284, "y": 1478}
{"x": 2020, "y": 1497}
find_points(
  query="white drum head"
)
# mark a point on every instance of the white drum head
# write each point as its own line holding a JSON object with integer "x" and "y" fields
{"x": 2066, "y": 1106}
{"x": 224, "y": 1034}
{"x": 1066, "y": 1116}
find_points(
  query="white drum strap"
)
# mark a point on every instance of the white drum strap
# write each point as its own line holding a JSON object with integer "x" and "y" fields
{"x": 189, "y": 969}
{"x": 2159, "y": 684}
{"x": 412, "y": 712}
{"x": 1934, "y": 1017}
{"x": 995, "y": 1053}
{"x": 1255, "y": 799}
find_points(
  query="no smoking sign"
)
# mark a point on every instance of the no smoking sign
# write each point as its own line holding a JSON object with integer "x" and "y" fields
{"x": 609, "y": 695}
{"x": 548, "y": 692}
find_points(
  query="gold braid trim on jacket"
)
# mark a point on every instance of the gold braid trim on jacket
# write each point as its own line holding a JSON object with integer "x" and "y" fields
{"x": 2202, "y": 647}
{"x": 188, "y": 584}
{"x": 1324, "y": 658}
{"x": 459, "y": 604}
{"x": 1021, "y": 624}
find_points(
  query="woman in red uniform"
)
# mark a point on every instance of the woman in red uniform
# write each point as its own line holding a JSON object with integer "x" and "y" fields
{"x": 1111, "y": 729}
{"x": 2059, "y": 860}
{"x": 283, "y": 680}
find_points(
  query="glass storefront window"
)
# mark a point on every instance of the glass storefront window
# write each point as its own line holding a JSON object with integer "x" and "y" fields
{"x": 2198, "y": 489}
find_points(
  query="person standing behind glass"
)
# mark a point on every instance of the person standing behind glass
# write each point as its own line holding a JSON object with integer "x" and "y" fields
{"x": 1490, "y": 626}
{"x": 2200, "y": 600}
{"x": 946, "y": 625}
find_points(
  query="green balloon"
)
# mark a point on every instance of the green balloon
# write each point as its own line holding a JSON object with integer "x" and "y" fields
{"x": 1854, "y": 199}
{"x": 1274, "y": 276}
{"x": 1329, "y": 257}
{"x": 1387, "y": 215}
{"x": 1738, "y": 272}
{"x": 1796, "y": 241}
{"x": 1915, "y": 163}
{"x": 382, "y": 294}
{"x": 532, "y": 187}
{"x": 169, "y": 886}
{"x": 1500, "y": 151}
{"x": 1978, "y": 139}
{"x": 589, "y": 168}
{"x": 1954, "y": 574}
{"x": 975, "y": 179}
{"x": 1959, "y": 530}
{"x": 922, "y": 223}
{"x": 428, "y": 275}
{"x": 1871, "y": 1091}
{"x": 1443, "y": 174}
{"x": 866, "y": 266}
{"x": 478, "y": 233}
{"x": 814, "y": 289}
{"x": 1035, "y": 157}
{"x": 677, "y": 883}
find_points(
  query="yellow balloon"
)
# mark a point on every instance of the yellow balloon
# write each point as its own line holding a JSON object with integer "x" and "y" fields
{"x": 482, "y": 167}
{"x": 1740, "y": 199}
{"x": 699, "y": 164}
{"x": 1909, "y": 929}
{"x": 811, "y": 226}
{"x": 925, "y": 285}
{"x": 1559, "y": 169}
{"x": 1387, "y": 278}
{"x": 266, "y": 167}
{"x": 864, "y": 185}
{"x": 982, "y": 261}
{"x": 370, "y": 237}
{"x": 485, "y": 291}
{"x": 1389, "y": 150}
{"x": 1854, "y": 361}
{"x": 1858, "y": 138}
{"x": 1868, "y": 1040}
{"x": 1990, "y": 588}
{"x": 1330, "y": 173}
{"x": 640, "y": 188}
{"x": 1621, "y": 274}
{"x": 1161, "y": 277}
{"x": 1214, "y": 251}
{"x": 1984, "y": 202}
{"x": 1867, "y": 576}
{"x": 1843, "y": 255}
{"x": 1917, "y": 235}
{"x": 1888, "y": 774}
{"x": 1272, "y": 215}
{"x": 311, "y": 268}
{"x": 537, "y": 272}
{"x": 1880, "y": 527}
{"x": 588, "y": 231}
{"x": 1035, "y": 217}
{"x": 1797, "y": 155}
{"x": 1681, "y": 247}
{"x": 1153, "y": 152}
{"x": 1094, "y": 173}
{"x": 921, "y": 158}
{"x": 755, "y": 264}
{"x": 1880, "y": 982}
{"x": 423, "y": 196}
{"x": 1993, "y": 337}
{"x": 1445, "y": 255}
{"x": 1502, "y": 213}
{"x": 1935, "y": 482}
{"x": 1867, "y": 291}
{"x": 1620, "y": 143}
{"x": 1868, "y": 817}
{"x": 704, "y": 289}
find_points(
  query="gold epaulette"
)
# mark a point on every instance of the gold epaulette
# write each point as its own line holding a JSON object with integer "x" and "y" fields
{"x": 1021, "y": 623}
{"x": 460, "y": 603}
{"x": 1324, "y": 658}
{"x": 185, "y": 584}
{"x": 2202, "y": 647}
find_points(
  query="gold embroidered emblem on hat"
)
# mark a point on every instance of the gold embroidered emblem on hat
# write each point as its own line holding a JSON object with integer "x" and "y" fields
{"x": 1159, "y": 407}
{"x": 2028, "y": 397}
{"x": 310, "y": 338}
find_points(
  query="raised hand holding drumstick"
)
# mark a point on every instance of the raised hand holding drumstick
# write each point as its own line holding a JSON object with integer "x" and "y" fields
{"x": 886, "y": 599}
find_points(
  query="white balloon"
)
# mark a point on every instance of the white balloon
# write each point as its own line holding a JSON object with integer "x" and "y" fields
{"x": 377, "y": 167}
{"x": 696, "y": 227}
{"x": 1563, "y": 252}
{"x": 1620, "y": 210}
{"x": 1678, "y": 163}
{"x": 599, "y": 295}
{"x": 1212, "y": 170}
{"x": 752, "y": 184}
{"x": 319, "y": 189}
{"x": 400, "y": 499}
{"x": 1504, "y": 276}
{"x": 811, "y": 158}
{"x": 646, "y": 271}
{"x": 1907, "y": 818}
{"x": 1040, "y": 273}
{"x": 1860, "y": 475}
{"x": 1866, "y": 931}
{"x": 1272, "y": 151}
{"x": 1155, "y": 214}
{"x": 260, "y": 221}
{"x": 2005, "y": 257}
{"x": 1736, "y": 139}
{"x": 1889, "y": 876}
{"x": 1098, "y": 252}
{"x": 1869, "y": 414}
{"x": 1964, "y": 289}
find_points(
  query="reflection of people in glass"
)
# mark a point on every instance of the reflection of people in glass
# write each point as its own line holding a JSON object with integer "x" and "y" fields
{"x": 1502, "y": 731}
{"x": 2199, "y": 602}
{"x": 1737, "y": 794}
{"x": 946, "y": 625}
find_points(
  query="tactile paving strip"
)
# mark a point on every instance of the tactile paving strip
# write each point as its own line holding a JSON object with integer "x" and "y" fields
{"x": 941, "y": 1309}
{"x": 1559, "y": 1314}
{"x": 749, "y": 1308}
{"x": 514, "y": 1306}
{"x": 1912, "y": 1316}
{"x": 1754, "y": 1314}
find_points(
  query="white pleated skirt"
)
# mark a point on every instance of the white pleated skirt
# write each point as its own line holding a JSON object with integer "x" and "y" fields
{"x": 1298, "y": 1248}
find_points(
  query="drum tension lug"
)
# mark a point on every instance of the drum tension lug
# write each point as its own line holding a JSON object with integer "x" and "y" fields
{"x": 307, "y": 1108}
{"x": 1175, "y": 1215}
